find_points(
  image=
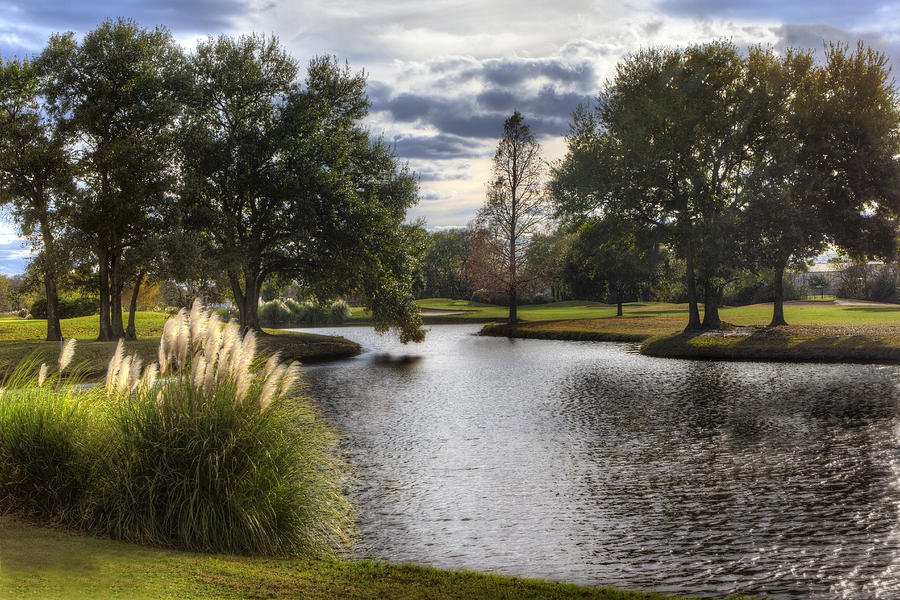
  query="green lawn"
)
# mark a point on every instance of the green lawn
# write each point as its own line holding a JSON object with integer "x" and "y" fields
{"x": 20, "y": 338}
{"x": 821, "y": 331}
{"x": 666, "y": 318}
{"x": 39, "y": 563}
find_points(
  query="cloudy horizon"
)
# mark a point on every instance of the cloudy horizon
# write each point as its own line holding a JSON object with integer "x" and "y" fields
{"x": 443, "y": 75}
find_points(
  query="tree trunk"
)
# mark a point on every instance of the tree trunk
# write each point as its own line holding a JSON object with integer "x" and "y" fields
{"x": 711, "y": 318}
{"x": 131, "y": 330}
{"x": 513, "y": 308}
{"x": 247, "y": 298}
{"x": 693, "y": 309}
{"x": 54, "y": 331}
{"x": 115, "y": 304}
{"x": 778, "y": 303}
{"x": 619, "y": 304}
{"x": 105, "y": 334}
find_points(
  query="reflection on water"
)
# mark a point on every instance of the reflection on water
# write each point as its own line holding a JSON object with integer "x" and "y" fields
{"x": 588, "y": 463}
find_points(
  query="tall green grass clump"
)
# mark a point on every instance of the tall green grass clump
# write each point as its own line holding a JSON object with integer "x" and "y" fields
{"x": 208, "y": 449}
{"x": 46, "y": 442}
{"x": 275, "y": 313}
{"x": 339, "y": 311}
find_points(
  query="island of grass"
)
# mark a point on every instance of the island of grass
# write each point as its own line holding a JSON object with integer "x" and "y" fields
{"x": 830, "y": 331}
{"x": 39, "y": 562}
{"x": 21, "y": 338}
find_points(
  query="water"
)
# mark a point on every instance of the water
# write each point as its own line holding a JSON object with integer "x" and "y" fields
{"x": 588, "y": 463}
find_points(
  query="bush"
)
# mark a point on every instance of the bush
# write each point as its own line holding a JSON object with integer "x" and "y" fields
{"x": 45, "y": 450}
{"x": 274, "y": 314}
{"x": 298, "y": 311}
{"x": 68, "y": 307}
{"x": 314, "y": 314}
{"x": 219, "y": 455}
{"x": 339, "y": 312}
{"x": 226, "y": 314}
{"x": 23, "y": 313}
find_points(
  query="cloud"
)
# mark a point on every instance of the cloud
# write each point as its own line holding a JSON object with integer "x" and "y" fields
{"x": 437, "y": 146}
{"x": 196, "y": 16}
{"x": 849, "y": 13}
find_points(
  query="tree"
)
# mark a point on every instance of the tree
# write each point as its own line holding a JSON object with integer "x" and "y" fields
{"x": 824, "y": 166}
{"x": 281, "y": 178}
{"x": 611, "y": 257}
{"x": 444, "y": 263}
{"x": 517, "y": 203}
{"x": 116, "y": 95}
{"x": 36, "y": 177}
{"x": 545, "y": 261}
{"x": 668, "y": 141}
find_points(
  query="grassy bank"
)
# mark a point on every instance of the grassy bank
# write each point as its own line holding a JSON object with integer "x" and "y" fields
{"x": 820, "y": 331}
{"x": 20, "y": 338}
{"x": 36, "y": 562}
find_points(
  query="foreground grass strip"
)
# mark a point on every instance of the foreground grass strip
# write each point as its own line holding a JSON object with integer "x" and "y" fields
{"x": 40, "y": 563}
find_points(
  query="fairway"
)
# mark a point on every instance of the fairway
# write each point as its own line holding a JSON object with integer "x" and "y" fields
{"x": 656, "y": 318}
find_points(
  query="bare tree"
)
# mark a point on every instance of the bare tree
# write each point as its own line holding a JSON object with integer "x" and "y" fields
{"x": 516, "y": 204}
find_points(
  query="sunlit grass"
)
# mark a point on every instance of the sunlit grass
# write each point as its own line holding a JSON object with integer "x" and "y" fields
{"x": 46, "y": 564}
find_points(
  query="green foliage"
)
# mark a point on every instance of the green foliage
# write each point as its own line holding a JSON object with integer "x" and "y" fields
{"x": 45, "y": 452}
{"x": 68, "y": 307}
{"x": 220, "y": 455}
{"x": 339, "y": 311}
{"x": 275, "y": 313}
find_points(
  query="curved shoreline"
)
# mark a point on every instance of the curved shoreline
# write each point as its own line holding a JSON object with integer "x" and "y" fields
{"x": 825, "y": 344}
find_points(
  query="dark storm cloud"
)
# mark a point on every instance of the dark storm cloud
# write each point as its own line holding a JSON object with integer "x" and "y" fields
{"x": 816, "y": 36}
{"x": 191, "y": 17}
{"x": 547, "y": 111}
{"x": 845, "y": 13}
{"x": 427, "y": 175}
{"x": 439, "y": 146}
{"x": 504, "y": 73}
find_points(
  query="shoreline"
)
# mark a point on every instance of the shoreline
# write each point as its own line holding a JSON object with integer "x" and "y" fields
{"x": 817, "y": 344}
{"x": 49, "y": 562}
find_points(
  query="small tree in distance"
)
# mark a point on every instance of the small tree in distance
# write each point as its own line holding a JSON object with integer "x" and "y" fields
{"x": 516, "y": 204}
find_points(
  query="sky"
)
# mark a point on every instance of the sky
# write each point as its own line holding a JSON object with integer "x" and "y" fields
{"x": 444, "y": 74}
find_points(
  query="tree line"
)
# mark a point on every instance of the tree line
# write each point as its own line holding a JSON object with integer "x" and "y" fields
{"x": 124, "y": 158}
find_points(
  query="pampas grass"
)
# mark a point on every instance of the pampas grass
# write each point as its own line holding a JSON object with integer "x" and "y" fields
{"x": 205, "y": 450}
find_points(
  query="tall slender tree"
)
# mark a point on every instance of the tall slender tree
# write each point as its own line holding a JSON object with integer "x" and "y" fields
{"x": 36, "y": 176}
{"x": 517, "y": 203}
{"x": 116, "y": 95}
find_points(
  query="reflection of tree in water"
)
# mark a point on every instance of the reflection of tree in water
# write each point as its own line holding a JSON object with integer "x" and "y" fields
{"x": 717, "y": 469}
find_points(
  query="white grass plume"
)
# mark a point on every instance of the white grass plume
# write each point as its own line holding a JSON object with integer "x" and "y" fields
{"x": 272, "y": 363}
{"x": 270, "y": 387}
{"x": 42, "y": 375}
{"x": 134, "y": 372}
{"x": 148, "y": 380}
{"x": 68, "y": 352}
{"x": 113, "y": 368}
{"x": 289, "y": 379}
{"x": 122, "y": 379}
{"x": 182, "y": 342}
{"x": 212, "y": 344}
{"x": 197, "y": 321}
{"x": 167, "y": 343}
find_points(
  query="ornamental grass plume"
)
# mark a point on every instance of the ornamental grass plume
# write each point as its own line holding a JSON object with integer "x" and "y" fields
{"x": 68, "y": 352}
{"x": 215, "y": 456}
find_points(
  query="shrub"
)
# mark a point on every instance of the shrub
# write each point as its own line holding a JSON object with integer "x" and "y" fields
{"x": 274, "y": 313}
{"x": 297, "y": 310}
{"x": 68, "y": 307}
{"x": 220, "y": 455}
{"x": 23, "y": 313}
{"x": 227, "y": 314}
{"x": 339, "y": 312}
{"x": 314, "y": 314}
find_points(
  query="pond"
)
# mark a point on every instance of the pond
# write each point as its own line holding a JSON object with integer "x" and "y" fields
{"x": 589, "y": 463}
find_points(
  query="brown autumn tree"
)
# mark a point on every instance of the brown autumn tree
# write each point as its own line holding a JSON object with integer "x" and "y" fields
{"x": 516, "y": 205}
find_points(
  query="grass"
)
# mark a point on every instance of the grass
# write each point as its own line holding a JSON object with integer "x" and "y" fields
{"x": 818, "y": 332}
{"x": 21, "y": 338}
{"x": 217, "y": 454}
{"x": 40, "y": 563}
